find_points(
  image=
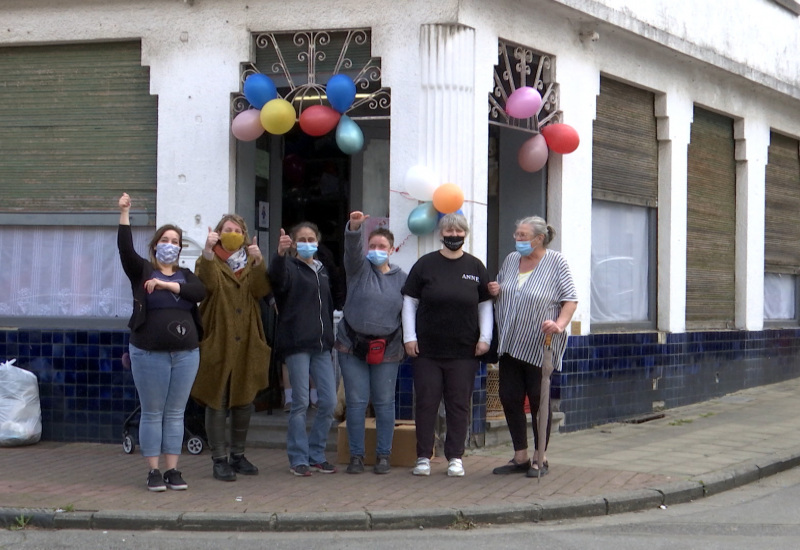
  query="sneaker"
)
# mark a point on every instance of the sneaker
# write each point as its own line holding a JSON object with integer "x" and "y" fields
{"x": 423, "y": 467}
{"x": 301, "y": 470}
{"x": 223, "y": 470}
{"x": 324, "y": 467}
{"x": 241, "y": 465}
{"x": 356, "y": 465}
{"x": 155, "y": 482}
{"x": 174, "y": 481}
{"x": 287, "y": 406}
{"x": 382, "y": 465}
{"x": 513, "y": 468}
{"x": 455, "y": 468}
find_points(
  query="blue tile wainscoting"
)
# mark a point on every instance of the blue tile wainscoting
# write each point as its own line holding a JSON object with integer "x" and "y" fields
{"x": 86, "y": 393}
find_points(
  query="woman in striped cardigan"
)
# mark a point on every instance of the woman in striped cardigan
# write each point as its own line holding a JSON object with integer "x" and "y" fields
{"x": 535, "y": 296}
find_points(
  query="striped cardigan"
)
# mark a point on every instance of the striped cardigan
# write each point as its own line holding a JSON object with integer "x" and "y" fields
{"x": 520, "y": 311}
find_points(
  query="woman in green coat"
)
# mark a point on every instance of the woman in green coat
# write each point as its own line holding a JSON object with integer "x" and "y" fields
{"x": 234, "y": 356}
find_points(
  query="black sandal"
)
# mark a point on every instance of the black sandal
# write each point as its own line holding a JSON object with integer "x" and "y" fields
{"x": 512, "y": 468}
{"x": 533, "y": 471}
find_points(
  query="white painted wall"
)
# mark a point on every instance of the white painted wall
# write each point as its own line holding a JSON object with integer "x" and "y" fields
{"x": 742, "y": 61}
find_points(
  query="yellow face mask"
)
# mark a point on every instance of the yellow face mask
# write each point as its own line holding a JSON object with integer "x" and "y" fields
{"x": 231, "y": 241}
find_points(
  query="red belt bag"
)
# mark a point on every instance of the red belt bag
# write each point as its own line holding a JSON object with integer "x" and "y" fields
{"x": 367, "y": 348}
{"x": 375, "y": 350}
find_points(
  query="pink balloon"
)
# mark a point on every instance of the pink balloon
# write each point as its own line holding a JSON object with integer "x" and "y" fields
{"x": 246, "y": 126}
{"x": 561, "y": 138}
{"x": 533, "y": 154}
{"x": 523, "y": 102}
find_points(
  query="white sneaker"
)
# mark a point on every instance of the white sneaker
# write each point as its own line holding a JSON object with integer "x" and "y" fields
{"x": 455, "y": 468}
{"x": 423, "y": 467}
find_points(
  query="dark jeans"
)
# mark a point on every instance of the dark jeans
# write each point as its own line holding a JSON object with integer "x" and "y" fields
{"x": 216, "y": 429}
{"x": 454, "y": 380}
{"x": 518, "y": 379}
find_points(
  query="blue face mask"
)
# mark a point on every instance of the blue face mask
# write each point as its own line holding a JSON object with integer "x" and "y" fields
{"x": 524, "y": 247}
{"x": 306, "y": 250}
{"x": 377, "y": 257}
{"x": 167, "y": 253}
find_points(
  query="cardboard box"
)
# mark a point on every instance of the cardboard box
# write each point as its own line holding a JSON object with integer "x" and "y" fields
{"x": 404, "y": 443}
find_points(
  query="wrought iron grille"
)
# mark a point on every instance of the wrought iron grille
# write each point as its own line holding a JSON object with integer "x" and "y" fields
{"x": 300, "y": 63}
{"x": 519, "y": 66}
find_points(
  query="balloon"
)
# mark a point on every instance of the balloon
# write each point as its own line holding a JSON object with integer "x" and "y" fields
{"x": 278, "y": 116}
{"x": 523, "y": 102}
{"x": 246, "y": 126}
{"x": 421, "y": 182}
{"x": 318, "y": 120}
{"x": 561, "y": 138}
{"x": 448, "y": 198}
{"x": 259, "y": 89}
{"x": 341, "y": 92}
{"x": 422, "y": 219}
{"x": 349, "y": 136}
{"x": 533, "y": 155}
{"x": 440, "y": 215}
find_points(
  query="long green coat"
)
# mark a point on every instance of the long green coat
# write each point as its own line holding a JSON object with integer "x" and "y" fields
{"x": 234, "y": 346}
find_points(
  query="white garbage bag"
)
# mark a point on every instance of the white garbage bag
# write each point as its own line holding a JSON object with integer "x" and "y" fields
{"x": 20, "y": 412}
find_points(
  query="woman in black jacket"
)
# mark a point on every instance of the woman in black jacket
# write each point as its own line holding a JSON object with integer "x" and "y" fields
{"x": 304, "y": 340}
{"x": 164, "y": 343}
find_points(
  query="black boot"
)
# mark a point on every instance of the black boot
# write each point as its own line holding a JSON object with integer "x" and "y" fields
{"x": 223, "y": 470}
{"x": 242, "y": 466}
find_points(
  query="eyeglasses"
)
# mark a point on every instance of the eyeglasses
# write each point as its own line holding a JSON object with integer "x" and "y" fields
{"x": 523, "y": 236}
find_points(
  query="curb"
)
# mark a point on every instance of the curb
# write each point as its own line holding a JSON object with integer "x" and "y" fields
{"x": 555, "y": 510}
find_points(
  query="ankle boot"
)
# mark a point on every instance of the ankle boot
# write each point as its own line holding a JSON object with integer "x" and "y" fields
{"x": 241, "y": 465}
{"x": 223, "y": 470}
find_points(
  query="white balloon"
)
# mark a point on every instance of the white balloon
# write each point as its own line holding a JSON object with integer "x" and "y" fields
{"x": 421, "y": 182}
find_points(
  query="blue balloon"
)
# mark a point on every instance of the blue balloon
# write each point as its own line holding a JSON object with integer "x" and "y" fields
{"x": 349, "y": 136}
{"x": 459, "y": 211}
{"x": 422, "y": 220}
{"x": 259, "y": 89}
{"x": 341, "y": 92}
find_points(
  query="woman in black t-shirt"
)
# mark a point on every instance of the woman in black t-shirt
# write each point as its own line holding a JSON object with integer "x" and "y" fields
{"x": 447, "y": 324}
{"x": 164, "y": 343}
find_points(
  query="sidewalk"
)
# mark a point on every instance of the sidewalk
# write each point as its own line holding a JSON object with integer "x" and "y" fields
{"x": 692, "y": 452}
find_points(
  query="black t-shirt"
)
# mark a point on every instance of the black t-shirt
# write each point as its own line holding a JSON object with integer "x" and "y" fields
{"x": 449, "y": 292}
{"x": 169, "y": 325}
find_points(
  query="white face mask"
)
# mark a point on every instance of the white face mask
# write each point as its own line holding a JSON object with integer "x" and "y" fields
{"x": 167, "y": 253}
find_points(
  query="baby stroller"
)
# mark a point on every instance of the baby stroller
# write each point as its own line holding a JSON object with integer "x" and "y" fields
{"x": 194, "y": 432}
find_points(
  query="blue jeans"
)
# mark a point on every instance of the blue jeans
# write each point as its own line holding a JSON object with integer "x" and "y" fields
{"x": 164, "y": 380}
{"x": 309, "y": 448}
{"x": 362, "y": 382}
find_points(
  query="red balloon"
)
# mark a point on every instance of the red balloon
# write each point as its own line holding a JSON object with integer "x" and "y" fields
{"x": 318, "y": 120}
{"x": 561, "y": 138}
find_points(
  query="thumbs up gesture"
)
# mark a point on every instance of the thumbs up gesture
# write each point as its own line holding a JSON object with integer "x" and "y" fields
{"x": 211, "y": 241}
{"x": 254, "y": 251}
{"x": 284, "y": 243}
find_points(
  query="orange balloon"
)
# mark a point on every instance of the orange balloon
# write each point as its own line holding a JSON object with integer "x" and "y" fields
{"x": 447, "y": 198}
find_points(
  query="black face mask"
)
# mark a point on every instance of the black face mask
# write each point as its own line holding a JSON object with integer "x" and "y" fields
{"x": 453, "y": 243}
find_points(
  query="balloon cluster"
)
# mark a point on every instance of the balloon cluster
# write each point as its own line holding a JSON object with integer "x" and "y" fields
{"x": 421, "y": 184}
{"x": 277, "y": 116}
{"x": 525, "y": 102}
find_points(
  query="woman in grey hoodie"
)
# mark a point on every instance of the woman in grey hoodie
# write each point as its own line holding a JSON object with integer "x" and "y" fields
{"x": 369, "y": 339}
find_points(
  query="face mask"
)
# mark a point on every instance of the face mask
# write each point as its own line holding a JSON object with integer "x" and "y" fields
{"x": 167, "y": 253}
{"x": 453, "y": 243}
{"x": 306, "y": 250}
{"x": 377, "y": 257}
{"x": 231, "y": 241}
{"x": 524, "y": 247}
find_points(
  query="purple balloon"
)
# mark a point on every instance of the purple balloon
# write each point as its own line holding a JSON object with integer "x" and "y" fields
{"x": 523, "y": 102}
{"x": 533, "y": 154}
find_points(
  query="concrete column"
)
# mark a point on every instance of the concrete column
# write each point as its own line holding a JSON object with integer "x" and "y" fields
{"x": 752, "y": 149}
{"x": 674, "y": 114}
{"x": 569, "y": 186}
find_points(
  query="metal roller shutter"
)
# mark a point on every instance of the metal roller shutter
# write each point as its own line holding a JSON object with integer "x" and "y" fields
{"x": 711, "y": 220}
{"x": 782, "y": 224}
{"x": 78, "y": 126}
{"x": 624, "y": 145}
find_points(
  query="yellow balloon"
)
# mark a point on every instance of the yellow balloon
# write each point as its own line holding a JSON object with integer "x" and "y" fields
{"x": 278, "y": 116}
